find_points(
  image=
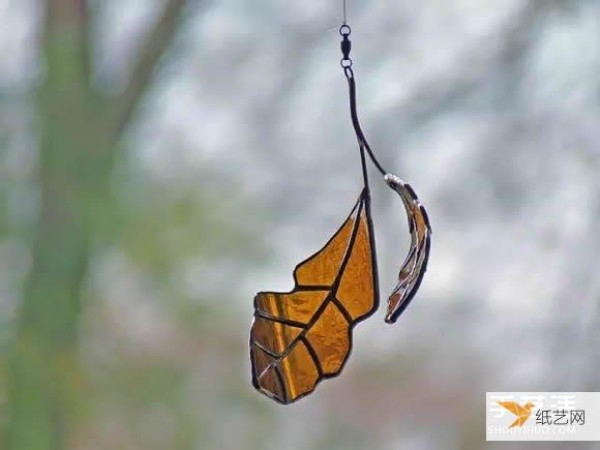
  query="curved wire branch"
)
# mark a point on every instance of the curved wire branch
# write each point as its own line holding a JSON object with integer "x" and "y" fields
{"x": 362, "y": 140}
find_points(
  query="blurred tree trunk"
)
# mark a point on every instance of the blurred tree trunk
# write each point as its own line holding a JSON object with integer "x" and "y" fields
{"x": 78, "y": 131}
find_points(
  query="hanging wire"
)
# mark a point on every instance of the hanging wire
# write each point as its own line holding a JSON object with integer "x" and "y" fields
{"x": 346, "y": 63}
{"x": 362, "y": 140}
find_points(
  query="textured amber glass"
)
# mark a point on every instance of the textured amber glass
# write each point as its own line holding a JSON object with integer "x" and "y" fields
{"x": 301, "y": 337}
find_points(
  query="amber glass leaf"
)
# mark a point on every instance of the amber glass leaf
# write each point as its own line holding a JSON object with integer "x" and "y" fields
{"x": 301, "y": 337}
{"x": 414, "y": 266}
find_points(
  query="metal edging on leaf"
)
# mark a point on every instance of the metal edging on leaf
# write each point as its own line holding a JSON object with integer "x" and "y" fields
{"x": 361, "y": 207}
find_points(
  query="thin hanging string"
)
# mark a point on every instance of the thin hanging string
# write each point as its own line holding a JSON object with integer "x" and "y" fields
{"x": 345, "y": 22}
{"x": 346, "y": 63}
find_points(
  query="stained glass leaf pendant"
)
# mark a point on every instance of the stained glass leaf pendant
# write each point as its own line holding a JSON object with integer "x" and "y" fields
{"x": 303, "y": 336}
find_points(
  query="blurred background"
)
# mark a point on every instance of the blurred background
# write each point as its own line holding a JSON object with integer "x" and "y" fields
{"x": 163, "y": 160}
